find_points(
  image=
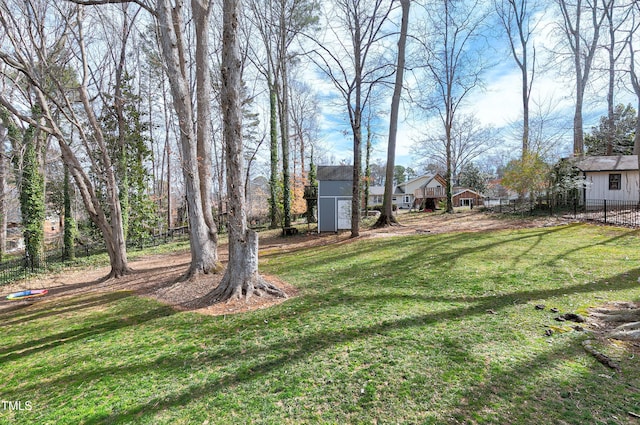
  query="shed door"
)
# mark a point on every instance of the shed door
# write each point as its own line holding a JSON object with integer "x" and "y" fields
{"x": 344, "y": 214}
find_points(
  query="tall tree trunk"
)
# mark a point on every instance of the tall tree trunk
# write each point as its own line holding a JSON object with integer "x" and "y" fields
{"x": 202, "y": 12}
{"x": 367, "y": 169}
{"x": 241, "y": 277}
{"x": 69, "y": 222}
{"x": 32, "y": 199}
{"x": 273, "y": 149}
{"x": 526, "y": 94}
{"x": 449, "y": 170}
{"x": 357, "y": 164}
{"x": 356, "y": 127}
{"x": 284, "y": 137}
{"x": 121, "y": 160}
{"x": 115, "y": 236}
{"x": 582, "y": 59}
{"x": 203, "y": 243}
{"x": 578, "y": 130}
{"x": 387, "y": 218}
{"x": 3, "y": 190}
{"x": 611, "y": 132}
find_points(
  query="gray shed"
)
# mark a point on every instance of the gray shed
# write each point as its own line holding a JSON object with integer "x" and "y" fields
{"x": 335, "y": 185}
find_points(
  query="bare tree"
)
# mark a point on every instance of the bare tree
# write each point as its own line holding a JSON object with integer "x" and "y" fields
{"x": 519, "y": 20}
{"x": 468, "y": 140}
{"x": 279, "y": 22}
{"x": 386, "y": 217}
{"x": 194, "y": 125}
{"x": 356, "y": 27}
{"x": 616, "y": 18}
{"x": 195, "y": 141}
{"x": 454, "y": 63}
{"x": 4, "y": 133}
{"x": 42, "y": 59}
{"x": 633, "y": 43}
{"x": 581, "y": 24}
{"x": 241, "y": 277}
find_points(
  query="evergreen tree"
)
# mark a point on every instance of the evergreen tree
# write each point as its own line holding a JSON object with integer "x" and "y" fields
{"x": 473, "y": 178}
{"x": 622, "y": 132}
{"x": 131, "y": 153}
{"x": 32, "y": 198}
{"x": 69, "y": 223}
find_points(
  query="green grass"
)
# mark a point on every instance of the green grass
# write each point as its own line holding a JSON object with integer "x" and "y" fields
{"x": 388, "y": 330}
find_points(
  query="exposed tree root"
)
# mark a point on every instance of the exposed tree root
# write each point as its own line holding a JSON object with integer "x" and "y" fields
{"x": 605, "y": 360}
{"x": 253, "y": 286}
{"x": 385, "y": 221}
{"x": 621, "y": 320}
{"x": 195, "y": 272}
{"x": 627, "y": 332}
{"x": 116, "y": 274}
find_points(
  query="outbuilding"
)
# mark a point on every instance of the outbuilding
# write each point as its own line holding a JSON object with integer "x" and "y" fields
{"x": 610, "y": 178}
{"x": 464, "y": 197}
{"x": 335, "y": 186}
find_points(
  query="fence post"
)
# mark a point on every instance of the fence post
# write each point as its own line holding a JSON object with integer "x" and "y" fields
{"x": 605, "y": 210}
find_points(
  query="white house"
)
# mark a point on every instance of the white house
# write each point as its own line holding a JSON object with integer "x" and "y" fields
{"x": 376, "y": 195}
{"x": 611, "y": 178}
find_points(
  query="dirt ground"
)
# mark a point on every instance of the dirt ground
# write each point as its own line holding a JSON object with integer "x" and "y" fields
{"x": 159, "y": 276}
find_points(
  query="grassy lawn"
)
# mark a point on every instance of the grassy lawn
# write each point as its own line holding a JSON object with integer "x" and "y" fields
{"x": 429, "y": 329}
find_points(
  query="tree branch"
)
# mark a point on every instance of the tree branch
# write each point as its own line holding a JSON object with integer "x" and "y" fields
{"x": 140, "y": 3}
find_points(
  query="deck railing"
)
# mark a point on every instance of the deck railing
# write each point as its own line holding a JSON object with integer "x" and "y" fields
{"x": 429, "y": 192}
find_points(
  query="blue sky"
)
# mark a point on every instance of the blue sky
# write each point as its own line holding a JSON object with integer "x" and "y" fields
{"x": 498, "y": 104}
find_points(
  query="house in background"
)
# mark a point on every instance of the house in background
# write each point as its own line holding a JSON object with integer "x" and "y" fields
{"x": 610, "y": 178}
{"x": 335, "y": 192}
{"x": 412, "y": 193}
{"x": 376, "y": 195}
{"x": 464, "y": 197}
{"x": 427, "y": 190}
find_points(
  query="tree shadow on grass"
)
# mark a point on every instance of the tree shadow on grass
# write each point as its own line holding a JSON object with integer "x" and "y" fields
{"x": 507, "y": 394}
{"x": 298, "y": 349}
{"x": 61, "y": 306}
{"x": 439, "y": 244}
{"x": 31, "y": 346}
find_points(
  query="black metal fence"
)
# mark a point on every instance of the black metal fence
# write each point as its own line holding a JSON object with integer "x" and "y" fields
{"x": 617, "y": 213}
{"x": 23, "y": 266}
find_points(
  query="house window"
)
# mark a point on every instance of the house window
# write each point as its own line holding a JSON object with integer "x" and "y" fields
{"x": 407, "y": 199}
{"x": 615, "y": 181}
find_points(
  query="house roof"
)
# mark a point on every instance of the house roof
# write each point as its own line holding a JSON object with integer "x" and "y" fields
{"x": 376, "y": 190}
{"x": 607, "y": 163}
{"x": 335, "y": 173}
{"x": 460, "y": 190}
{"x": 429, "y": 180}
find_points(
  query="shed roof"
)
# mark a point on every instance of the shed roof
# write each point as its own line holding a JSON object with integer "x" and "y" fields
{"x": 607, "y": 163}
{"x": 460, "y": 190}
{"x": 335, "y": 173}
